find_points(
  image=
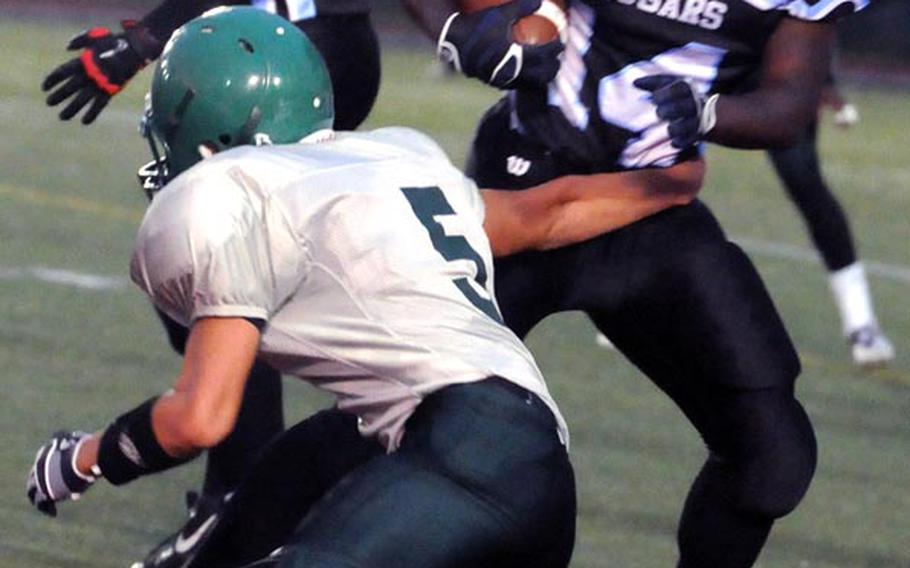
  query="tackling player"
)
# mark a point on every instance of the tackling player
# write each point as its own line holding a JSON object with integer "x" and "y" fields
{"x": 344, "y": 36}
{"x": 640, "y": 84}
{"x": 316, "y": 256}
{"x": 360, "y": 263}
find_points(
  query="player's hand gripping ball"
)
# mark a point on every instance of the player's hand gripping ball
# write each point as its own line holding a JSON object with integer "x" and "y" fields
{"x": 507, "y": 45}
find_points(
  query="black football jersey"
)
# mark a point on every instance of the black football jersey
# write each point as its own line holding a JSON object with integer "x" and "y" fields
{"x": 594, "y": 118}
{"x": 296, "y": 10}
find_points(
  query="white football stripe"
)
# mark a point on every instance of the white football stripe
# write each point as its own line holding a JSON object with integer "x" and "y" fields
{"x": 62, "y": 277}
{"x": 786, "y": 251}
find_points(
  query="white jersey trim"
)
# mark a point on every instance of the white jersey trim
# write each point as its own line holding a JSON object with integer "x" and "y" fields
{"x": 806, "y": 9}
{"x": 231, "y": 311}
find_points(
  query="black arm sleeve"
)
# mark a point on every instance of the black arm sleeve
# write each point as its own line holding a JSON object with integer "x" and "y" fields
{"x": 430, "y": 15}
{"x": 171, "y": 14}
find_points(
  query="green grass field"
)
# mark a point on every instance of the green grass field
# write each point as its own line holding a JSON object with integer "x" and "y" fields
{"x": 74, "y": 356}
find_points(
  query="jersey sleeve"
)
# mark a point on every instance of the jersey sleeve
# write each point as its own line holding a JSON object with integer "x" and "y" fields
{"x": 205, "y": 249}
{"x": 824, "y": 10}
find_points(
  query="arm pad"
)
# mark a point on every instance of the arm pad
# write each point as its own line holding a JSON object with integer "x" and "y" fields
{"x": 129, "y": 448}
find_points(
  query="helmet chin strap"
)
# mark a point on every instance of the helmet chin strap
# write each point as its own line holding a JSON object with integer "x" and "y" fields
{"x": 154, "y": 175}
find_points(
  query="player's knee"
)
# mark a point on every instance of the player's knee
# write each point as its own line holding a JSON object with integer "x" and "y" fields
{"x": 777, "y": 478}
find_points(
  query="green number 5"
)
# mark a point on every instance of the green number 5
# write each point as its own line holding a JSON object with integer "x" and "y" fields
{"x": 427, "y": 203}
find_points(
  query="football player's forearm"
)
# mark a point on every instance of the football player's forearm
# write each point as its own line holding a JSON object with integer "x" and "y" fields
{"x": 599, "y": 211}
{"x": 795, "y": 67}
{"x": 203, "y": 406}
{"x": 431, "y": 15}
{"x": 198, "y": 413}
{"x": 768, "y": 119}
{"x": 572, "y": 209}
{"x": 173, "y": 434}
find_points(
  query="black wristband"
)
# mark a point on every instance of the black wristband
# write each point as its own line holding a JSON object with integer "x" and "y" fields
{"x": 129, "y": 448}
{"x": 146, "y": 45}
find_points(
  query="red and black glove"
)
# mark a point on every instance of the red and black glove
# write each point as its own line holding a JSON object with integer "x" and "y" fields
{"x": 107, "y": 62}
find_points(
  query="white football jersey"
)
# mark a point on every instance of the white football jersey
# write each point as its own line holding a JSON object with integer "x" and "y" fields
{"x": 365, "y": 255}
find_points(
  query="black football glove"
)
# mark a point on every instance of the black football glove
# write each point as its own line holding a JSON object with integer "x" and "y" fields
{"x": 107, "y": 62}
{"x": 689, "y": 116}
{"x": 53, "y": 476}
{"x": 480, "y": 45}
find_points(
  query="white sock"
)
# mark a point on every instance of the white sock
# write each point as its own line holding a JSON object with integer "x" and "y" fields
{"x": 851, "y": 292}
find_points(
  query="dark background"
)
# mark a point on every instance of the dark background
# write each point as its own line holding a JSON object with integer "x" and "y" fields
{"x": 879, "y": 35}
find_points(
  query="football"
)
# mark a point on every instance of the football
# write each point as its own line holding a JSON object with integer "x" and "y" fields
{"x": 547, "y": 24}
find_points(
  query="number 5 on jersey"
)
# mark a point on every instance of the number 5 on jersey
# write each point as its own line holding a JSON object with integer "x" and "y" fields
{"x": 427, "y": 203}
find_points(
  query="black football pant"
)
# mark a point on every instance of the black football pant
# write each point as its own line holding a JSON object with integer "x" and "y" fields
{"x": 688, "y": 308}
{"x": 480, "y": 480}
{"x": 798, "y": 168}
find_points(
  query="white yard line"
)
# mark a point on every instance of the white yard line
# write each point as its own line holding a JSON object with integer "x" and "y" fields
{"x": 760, "y": 248}
{"x": 785, "y": 251}
{"x": 62, "y": 277}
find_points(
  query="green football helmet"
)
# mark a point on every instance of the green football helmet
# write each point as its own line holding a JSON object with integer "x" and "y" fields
{"x": 233, "y": 76}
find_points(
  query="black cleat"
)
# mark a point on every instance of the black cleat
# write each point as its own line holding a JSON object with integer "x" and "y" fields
{"x": 179, "y": 549}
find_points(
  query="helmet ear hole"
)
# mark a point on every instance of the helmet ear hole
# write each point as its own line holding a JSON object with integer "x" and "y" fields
{"x": 246, "y": 45}
{"x": 207, "y": 149}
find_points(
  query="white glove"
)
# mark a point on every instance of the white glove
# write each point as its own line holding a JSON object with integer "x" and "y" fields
{"x": 54, "y": 476}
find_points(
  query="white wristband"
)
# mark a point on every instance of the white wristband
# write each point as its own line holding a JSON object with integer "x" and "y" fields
{"x": 708, "y": 114}
{"x": 556, "y": 16}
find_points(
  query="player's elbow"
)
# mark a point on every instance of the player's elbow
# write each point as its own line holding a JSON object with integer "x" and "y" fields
{"x": 789, "y": 124}
{"x": 677, "y": 185}
{"x": 683, "y": 197}
{"x": 205, "y": 427}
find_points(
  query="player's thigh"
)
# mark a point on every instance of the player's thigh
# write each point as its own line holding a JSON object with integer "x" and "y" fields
{"x": 726, "y": 322}
{"x": 695, "y": 310}
{"x": 350, "y": 48}
{"x": 293, "y": 473}
{"x": 475, "y": 483}
{"x": 396, "y": 513}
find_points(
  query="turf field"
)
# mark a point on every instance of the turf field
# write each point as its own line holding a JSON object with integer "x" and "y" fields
{"x": 78, "y": 344}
